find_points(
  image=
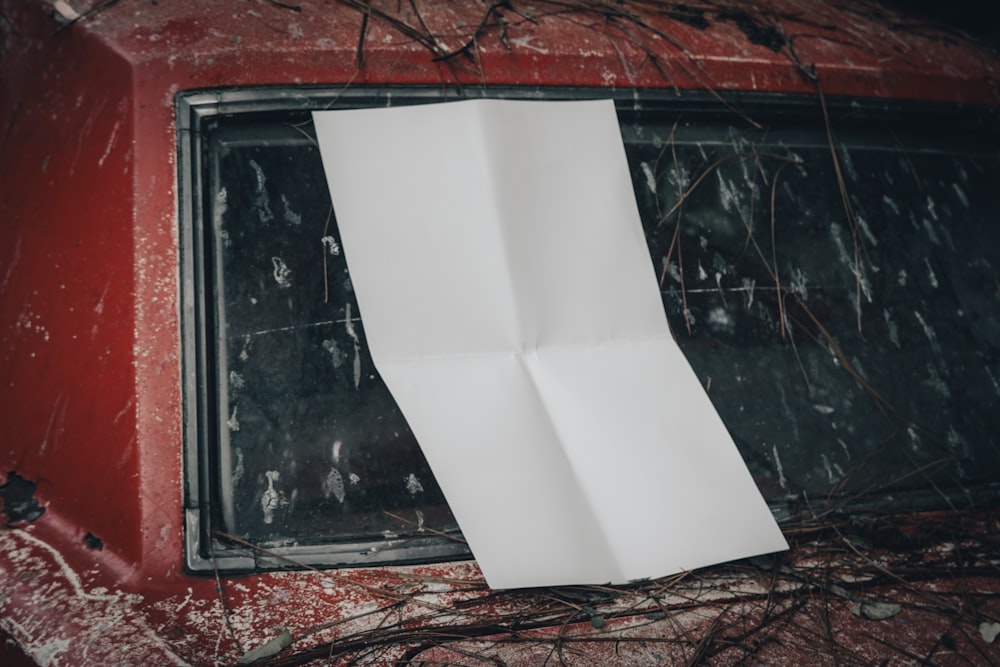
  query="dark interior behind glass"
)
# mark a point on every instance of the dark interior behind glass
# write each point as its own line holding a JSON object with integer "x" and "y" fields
{"x": 317, "y": 449}
{"x": 842, "y": 313}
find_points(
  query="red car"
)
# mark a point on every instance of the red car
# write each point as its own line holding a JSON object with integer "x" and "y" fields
{"x": 201, "y": 465}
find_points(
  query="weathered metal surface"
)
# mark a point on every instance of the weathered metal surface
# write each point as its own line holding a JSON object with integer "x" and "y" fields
{"x": 89, "y": 333}
{"x": 800, "y": 609}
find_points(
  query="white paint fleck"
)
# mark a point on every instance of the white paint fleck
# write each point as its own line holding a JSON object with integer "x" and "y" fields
{"x": 331, "y": 245}
{"x": 239, "y": 470}
{"x": 931, "y": 232}
{"x": 335, "y": 451}
{"x": 893, "y": 329}
{"x": 413, "y": 485}
{"x": 349, "y": 327}
{"x": 891, "y": 204}
{"x": 792, "y": 416}
{"x": 829, "y": 471}
{"x": 823, "y": 409}
{"x": 848, "y": 163}
{"x": 799, "y": 284}
{"x": 337, "y": 356}
{"x": 727, "y": 195}
{"x": 678, "y": 177}
{"x": 262, "y": 202}
{"x": 720, "y": 320}
{"x": 853, "y": 266}
{"x": 525, "y": 42}
{"x": 161, "y": 539}
{"x": 168, "y": 97}
{"x": 333, "y": 485}
{"x": 928, "y": 330}
{"x": 993, "y": 380}
{"x": 650, "y": 178}
{"x": 46, "y": 653}
{"x": 936, "y": 382}
{"x": 931, "y": 208}
{"x": 282, "y": 274}
{"x": 291, "y": 217}
{"x": 236, "y": 380}
{"x": 121, "y": 413}
{"x": 186, "y": 601}
{"x": 111, "y": 144}
{"x": 355, "y": 480}
{"x": 55, "y": 426}
{"x": 865, "y": 229}
{"x": 843, "y": 445}
{"x": 221, "y": 205}
{"x": 247, "y": 343}
{"x": 99, "y": 307}
{"x": 272, "y": 498}
{"x": 749, "y": 284}
{"x": 931, "y": 276}
{"x": 233, "y": 423}
{"x": 960, "y": 194}
{"x": 15, "y": 258}
{"x": 672, "y": 270}
{"x": 779, "y": 468}
{"x": 902, "y": 278}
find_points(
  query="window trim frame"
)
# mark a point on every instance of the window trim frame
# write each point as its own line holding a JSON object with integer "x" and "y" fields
{"x": 197, "y": 109}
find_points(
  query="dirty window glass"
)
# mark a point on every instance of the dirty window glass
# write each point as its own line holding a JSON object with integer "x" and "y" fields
{"x": 313, "y": 447}
{"x": 844, "y": 325}
{"x": 841, "y": 310}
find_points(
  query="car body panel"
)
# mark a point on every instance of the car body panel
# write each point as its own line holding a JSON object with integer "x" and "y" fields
{"x": 90, "y": 348}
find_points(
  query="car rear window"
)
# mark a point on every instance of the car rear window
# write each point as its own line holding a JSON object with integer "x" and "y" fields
{"x": 840, "y": 307}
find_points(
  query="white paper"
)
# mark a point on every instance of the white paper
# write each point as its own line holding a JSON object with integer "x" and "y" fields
{"x": 511, "y": 306}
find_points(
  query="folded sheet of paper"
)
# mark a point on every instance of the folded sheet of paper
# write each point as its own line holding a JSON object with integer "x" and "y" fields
{"x": 512, "y": 308}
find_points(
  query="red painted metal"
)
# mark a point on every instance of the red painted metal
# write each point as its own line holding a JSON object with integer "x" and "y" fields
{"x": 89, "y": 330}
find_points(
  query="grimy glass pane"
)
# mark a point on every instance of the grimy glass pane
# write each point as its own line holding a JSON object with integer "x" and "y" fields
{"x": 877, "y": 367}
{"x": 845, "y": 327}
{"x": 317, "y": 449}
